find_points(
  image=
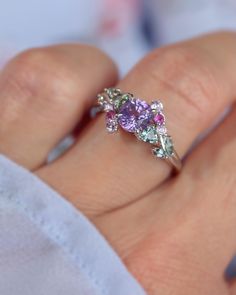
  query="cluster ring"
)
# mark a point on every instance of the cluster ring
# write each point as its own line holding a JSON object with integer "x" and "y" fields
{"x": 146, "y": 121}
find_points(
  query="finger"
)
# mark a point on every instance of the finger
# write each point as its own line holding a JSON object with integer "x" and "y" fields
{"x": 194, "y": 234}
{"x": 213, "y": 164}
{"x": 184, "y": 232}
{"x": 233, "y": 289}
{"x": 44, "y": 93}
{"x": 196, "y": 81}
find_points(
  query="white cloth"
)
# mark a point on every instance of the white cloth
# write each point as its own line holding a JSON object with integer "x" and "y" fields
{"x": 47, "y": 247}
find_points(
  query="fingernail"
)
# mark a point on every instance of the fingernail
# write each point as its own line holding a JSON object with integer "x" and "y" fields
{"x": 230, "y": 272}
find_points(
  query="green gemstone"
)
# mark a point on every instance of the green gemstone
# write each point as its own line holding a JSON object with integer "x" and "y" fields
{"x": 149, "y": 135}
{"x": 169, "y": 146}
{"x": 112, "y": 92}
{"x": 166, "y": 149}
{"x": 120, "y": 100}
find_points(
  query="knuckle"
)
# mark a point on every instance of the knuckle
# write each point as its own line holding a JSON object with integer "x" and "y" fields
{"x": 38, "y": 72}
{"x": 188, "y": 73}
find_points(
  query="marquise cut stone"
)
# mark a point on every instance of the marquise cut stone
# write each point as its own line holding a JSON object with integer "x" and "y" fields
{"x": 169, "y": 146}
{"x": 166, "y": 149}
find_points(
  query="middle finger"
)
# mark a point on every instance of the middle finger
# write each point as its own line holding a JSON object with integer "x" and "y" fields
{"x": 102, "y": 172}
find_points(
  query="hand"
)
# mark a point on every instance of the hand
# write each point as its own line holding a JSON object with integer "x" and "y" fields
{"x": 175, "y": 234}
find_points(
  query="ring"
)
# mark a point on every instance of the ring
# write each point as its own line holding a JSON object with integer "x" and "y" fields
{"x": 146, "y": 121}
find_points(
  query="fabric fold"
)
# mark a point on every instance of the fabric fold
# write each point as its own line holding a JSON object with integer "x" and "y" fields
{"x": 45, "y": 240}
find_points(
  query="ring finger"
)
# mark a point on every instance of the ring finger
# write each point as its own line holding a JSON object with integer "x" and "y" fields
{"x": 196, "y": 81}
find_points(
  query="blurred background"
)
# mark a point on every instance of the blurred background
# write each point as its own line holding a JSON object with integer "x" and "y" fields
{"x": 125, "y": 29}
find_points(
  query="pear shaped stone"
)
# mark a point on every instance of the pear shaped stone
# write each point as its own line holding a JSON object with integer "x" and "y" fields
{"x": 149, "y": 134}
{"x": 166, "y": 149}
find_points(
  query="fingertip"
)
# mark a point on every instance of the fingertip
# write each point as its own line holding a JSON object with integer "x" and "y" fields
{"x": 46, "y": 91}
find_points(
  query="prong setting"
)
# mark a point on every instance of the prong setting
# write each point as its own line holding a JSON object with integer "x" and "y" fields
{"x": 146, "y": 121}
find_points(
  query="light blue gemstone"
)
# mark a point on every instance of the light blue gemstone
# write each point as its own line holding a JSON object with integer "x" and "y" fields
{"x": 149, "y": 135}
{"x": 159, "y": 152}
{"x": 169, "y": 146}
{"x": 166, "y": 149}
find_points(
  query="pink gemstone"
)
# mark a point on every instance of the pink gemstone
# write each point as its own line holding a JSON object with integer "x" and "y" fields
{"x": 110, "y": 115}
{"x": 111, "y": 122}
{"x": 159, "y": 119}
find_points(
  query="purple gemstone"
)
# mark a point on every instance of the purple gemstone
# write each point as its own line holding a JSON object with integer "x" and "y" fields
{"x": 159, "y": 119}
{"x": 134, "y": 114}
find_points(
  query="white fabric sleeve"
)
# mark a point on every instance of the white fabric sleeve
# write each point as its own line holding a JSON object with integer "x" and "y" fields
{"x": 47, "y": 247}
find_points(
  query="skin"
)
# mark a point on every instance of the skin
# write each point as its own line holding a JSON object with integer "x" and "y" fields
{"x": 176, "y": 234}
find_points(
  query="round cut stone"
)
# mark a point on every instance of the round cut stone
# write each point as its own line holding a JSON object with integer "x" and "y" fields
{"x": 161, "y": 130}
{"x": 157, "y": 106}
{"x": 149, "y": 134}
{"x": 134, "y": 114}
{"x": 107, "y": 107}
{"x": 159, "y": 119}
{"x": 111, "y": 122}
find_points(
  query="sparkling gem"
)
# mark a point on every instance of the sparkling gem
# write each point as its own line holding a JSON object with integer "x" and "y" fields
{"x": 112, "y": 92}
{"x": 166, "y": 149}
{"x": 101, "y": 99}
{"x": 148, "y": 134}
{"x": 161, "y": 130}
{"x": 120, "y": 100}
{"x": 159, "y": 119}
{"x": 157, "y": 106}
{"x": 169, "y": 146}
{"x": 107, "y": 107}
{"x": 134, "y": 114}
{"x": 111, "y": 122}
{"x": 158, "y": 152}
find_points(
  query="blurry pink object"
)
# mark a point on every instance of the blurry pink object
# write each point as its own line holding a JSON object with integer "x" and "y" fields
{"x": 117, "y": 15}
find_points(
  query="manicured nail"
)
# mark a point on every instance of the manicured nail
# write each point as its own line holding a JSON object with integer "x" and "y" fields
{"x": 230, "y": 272}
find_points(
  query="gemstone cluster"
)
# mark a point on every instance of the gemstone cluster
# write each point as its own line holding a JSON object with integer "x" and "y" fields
{"x": 136, "y": 116}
